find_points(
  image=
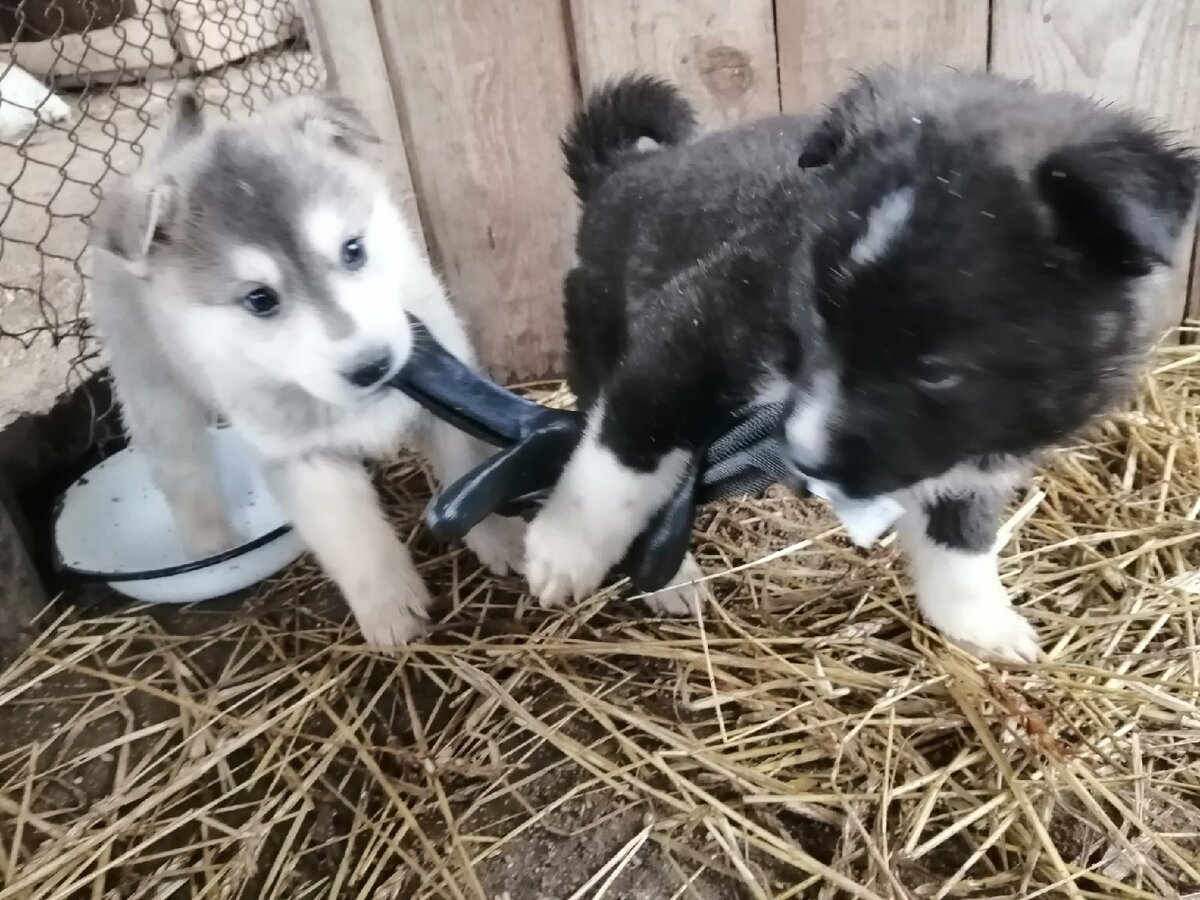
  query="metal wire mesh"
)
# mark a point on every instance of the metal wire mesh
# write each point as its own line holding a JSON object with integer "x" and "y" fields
{"x": 83, "y": 83}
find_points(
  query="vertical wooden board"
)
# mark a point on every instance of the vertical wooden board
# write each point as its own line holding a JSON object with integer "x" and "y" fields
{"x": 486, "y": 89}
{"x": 1193, "y": 306}
{"x": 823, "y": 43}
{"x": 348, "y": 42}
{"x": 1144, "y": 54}
{"x": 720, "y": 52}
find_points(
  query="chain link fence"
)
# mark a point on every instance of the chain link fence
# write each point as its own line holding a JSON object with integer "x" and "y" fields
{"x": 83, "y": 83}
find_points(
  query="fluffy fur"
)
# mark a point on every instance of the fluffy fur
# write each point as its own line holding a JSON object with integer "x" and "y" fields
{"x": 949, "y": 273}
{"x": 279, "y": 210}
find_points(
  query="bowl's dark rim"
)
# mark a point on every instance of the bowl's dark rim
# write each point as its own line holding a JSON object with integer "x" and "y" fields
{"x": 191, "y": 565}
{"x": 181, "y": 569}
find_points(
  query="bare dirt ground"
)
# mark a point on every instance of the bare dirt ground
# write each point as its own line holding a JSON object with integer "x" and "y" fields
{"x": 51, "y": 182}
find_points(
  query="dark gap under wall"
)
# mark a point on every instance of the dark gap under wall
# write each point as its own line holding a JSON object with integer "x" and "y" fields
{"x": 39, "y": 20}
{"x": 42, "y": 454}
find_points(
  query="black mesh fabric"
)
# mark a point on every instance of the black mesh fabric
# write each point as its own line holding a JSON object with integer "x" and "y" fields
{"x": 746, "y": 459}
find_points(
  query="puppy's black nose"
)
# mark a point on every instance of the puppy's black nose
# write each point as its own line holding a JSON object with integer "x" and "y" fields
{"x": 370, "y": 371}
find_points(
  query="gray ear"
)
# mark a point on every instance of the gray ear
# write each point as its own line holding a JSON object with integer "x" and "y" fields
{"x": 328, "y": 117}
{"x": 186, "y": 119}
{"x": 134, "y": 219}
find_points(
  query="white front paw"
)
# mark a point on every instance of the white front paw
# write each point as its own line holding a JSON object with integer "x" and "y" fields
{"x": 979, "y": 618}
{"x": 562, "y": 560}
{"x": 499, "y": 543}
{"x": 685, "y": 596}
{"x": 390, "y": 608}
{"x": 206, "y": 532}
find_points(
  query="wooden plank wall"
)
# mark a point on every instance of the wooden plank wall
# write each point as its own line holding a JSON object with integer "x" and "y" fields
{"x": 720, "y": 52}
{"x": 822, "y": 43}
{"x": 1141, "y": 53}
{"x": 355, "y": 66}
{"x": 477, "y": 94}
{"x": 484, "y": 90}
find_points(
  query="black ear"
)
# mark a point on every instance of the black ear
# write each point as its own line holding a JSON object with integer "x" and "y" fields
{"x": 841, "y": 122}
{"x": 1121, "y": 202}
{"x": 823, "y": 143}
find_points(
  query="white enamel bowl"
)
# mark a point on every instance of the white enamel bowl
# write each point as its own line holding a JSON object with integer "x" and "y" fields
{"x": 114, "y": 526}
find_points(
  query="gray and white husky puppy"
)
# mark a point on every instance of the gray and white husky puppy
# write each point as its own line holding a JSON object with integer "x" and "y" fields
{"x": 259, "y": 271}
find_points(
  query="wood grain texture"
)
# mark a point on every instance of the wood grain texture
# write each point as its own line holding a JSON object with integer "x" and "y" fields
{"x": 1144, "y": 54}
{"x": 720, "y": 52}
{"x": 486, "y": 89}
{"x": 348, "y": 41}
{"x": 822, "y": 43}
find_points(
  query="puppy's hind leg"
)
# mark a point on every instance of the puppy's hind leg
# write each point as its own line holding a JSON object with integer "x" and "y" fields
{"x": 334, "y": 506}
{"x": 685, "y": 595}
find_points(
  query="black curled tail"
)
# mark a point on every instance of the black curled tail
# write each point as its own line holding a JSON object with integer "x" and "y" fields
{"x": 606, "y": 131}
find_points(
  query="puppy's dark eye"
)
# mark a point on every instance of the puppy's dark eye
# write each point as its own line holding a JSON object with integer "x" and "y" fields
{"x": 354, "y": 254}
{"x": 935, "y": 373}
{"x": 262, "y": 301}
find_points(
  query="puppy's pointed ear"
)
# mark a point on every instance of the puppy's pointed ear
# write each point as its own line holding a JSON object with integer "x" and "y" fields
{"x": 1121, "y": 202}
{"x": 186, "y": 121}
{"x": 834, "y": 130}
{"x": 329, "y": 117}
{"x": 135, "y": 220}
{"x": 823, "y": 143}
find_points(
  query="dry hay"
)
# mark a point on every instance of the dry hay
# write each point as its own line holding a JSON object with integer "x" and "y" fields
{"x": 809, "y": 738}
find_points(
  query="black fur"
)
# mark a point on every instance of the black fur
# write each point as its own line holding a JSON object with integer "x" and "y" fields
{"x": 999, "y": 318}
{"x": 672, "y": 291}
{"x": 965, "y": 521}
{"x": 605, "y": 132}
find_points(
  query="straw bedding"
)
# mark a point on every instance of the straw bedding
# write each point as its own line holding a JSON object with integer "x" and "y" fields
{"x": 808, "y": 738}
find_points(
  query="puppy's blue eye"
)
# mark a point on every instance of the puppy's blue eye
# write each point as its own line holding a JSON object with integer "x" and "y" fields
{"x": 354, "y": 254}
{"x": 262, "y": 301}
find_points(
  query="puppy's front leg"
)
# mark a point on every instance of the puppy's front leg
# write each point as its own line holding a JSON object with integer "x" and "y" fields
{"x": 601, "y": 503}
{"x": 950, "y": 545}
{"x": 169, "y": 428}
{"x": 334, "y": 506}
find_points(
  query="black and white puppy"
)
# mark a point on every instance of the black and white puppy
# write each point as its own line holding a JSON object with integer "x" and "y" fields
{"x": 945, "y": 274}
